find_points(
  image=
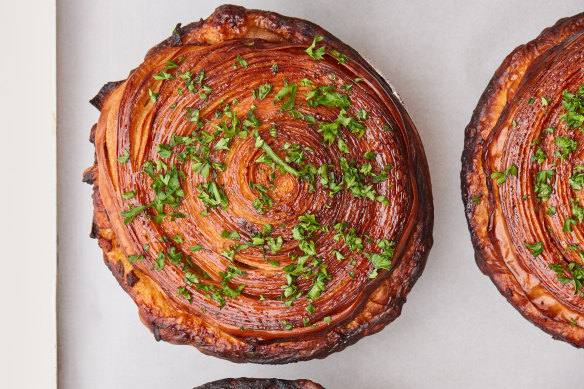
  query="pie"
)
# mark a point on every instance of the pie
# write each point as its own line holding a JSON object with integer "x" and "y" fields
{"x": 522, "y": 179}
{"x": 259, "y": 190}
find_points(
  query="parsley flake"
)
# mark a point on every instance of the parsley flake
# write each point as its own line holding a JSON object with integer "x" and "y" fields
{"x": 124, "y": 157}
{"x": 242, "y": 62}
{"x": 316, "y": 53}
{"x": 128, "y": 195}
{"x": 502, "y": 177}
{"x": 536, "y": 248}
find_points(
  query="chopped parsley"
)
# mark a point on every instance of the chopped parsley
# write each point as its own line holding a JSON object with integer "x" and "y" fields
{"x": 566, "y": 146}
{"x": 212, "y": 195}
{"x": 539, "y": 156}
{"x": 568, "y": 225}
{"x": 323, "y": 95}
{"x": 316, "y": 53}
{"x": 230, "y": 235}
{"x": 130, "y": 214}
{"x": 571, "y": 273}
{"x": 577, "y": 211}
{"x": 536, "y": 248}
{"x": 264, "y": 201}
{"x": 163, "y": 76}
{"x": 502, "y": 177}
{"x": 153, "y": 96}
{"x": 170, "y": 64}
{"x": 263, "y": 91}
{"x": 577, "y": 179}
{"x": 342, "y": 58}
{"x": 242, "y": 62}
{"x": 273, "y": 156}
{"x": 573, "y": 103}
{"x": 381, "y": 260}
{"x": 287, "y": 89}
{"x": 129, "y": 195}
{"x": 542, "y": 186}
{"x": 124, "y": 157}
{"x": 185, "y": 293}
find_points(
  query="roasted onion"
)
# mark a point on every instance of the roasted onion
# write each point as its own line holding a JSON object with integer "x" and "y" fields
{"x": 521, "y": 183}
{"x": 259, "y": 190}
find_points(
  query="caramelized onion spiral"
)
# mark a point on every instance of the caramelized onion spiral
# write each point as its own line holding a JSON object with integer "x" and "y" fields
{"x": 227, "y": 215}
{"x": 523, "y": 149}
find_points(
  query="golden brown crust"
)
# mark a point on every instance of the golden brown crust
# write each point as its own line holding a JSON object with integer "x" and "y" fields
{"x": 260, "y": 383}
{"x": 508, "y": 118}
{"x": 365, "y": 306}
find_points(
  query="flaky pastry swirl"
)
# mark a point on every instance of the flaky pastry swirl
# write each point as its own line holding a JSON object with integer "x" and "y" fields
{"x": 259, "y": 190}
{"x": 522, "y": 154}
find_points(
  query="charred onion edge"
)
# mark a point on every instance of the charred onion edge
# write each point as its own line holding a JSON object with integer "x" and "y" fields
{"x": 260, "y": 383}
{"x": 502, "y": 87}
{"x": 384, "y": 304}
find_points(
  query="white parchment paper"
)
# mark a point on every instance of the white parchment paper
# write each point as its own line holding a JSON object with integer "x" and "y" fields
{"x": 456, "y": 330}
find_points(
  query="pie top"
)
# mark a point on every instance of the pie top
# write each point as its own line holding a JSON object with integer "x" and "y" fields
{"x": 522, "y": 179}
{"x": 260, "y": 191}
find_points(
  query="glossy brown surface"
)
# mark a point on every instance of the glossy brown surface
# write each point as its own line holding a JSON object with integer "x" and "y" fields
{"x": 259, "y": 383}
{"x": 237, "y": 49}
{"x": 523, "y": 99}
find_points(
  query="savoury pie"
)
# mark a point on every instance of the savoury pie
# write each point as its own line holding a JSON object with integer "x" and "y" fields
{"x": 522, "y": 180}
{"x": 259, "y": 190}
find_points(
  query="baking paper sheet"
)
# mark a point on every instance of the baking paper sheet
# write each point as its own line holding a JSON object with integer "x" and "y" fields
{"x": 456, "y": 330}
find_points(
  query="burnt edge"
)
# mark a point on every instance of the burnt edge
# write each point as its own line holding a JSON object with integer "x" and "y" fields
{"x": 303, "y": 31}
{"x": 473, "y": 142}
{"x": 98, "y": 100}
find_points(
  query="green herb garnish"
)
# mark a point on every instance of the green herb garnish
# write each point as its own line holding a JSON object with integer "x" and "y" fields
{"x": 242, "y": 62}
{"x": 313, "y": 51}
{"x": 502, "y": 177}
{"x": 536, "y": 248}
